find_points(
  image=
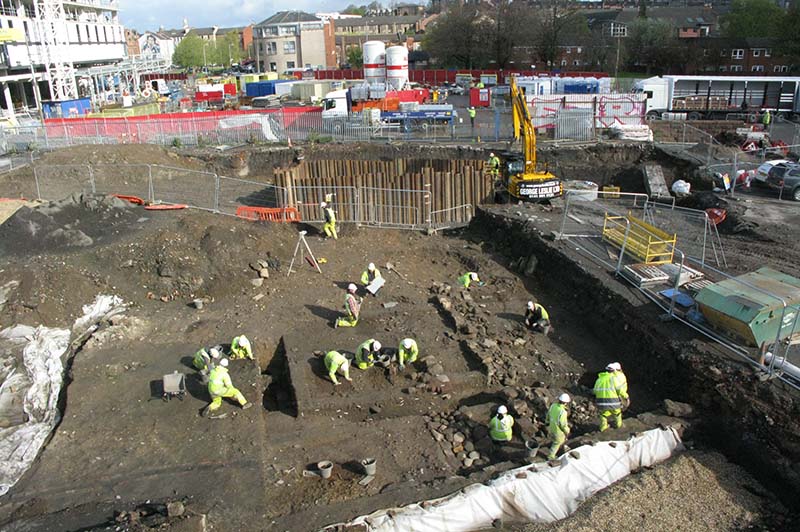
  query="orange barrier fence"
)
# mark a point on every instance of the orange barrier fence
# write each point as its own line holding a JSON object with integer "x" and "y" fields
{"x": 281, "y": 214}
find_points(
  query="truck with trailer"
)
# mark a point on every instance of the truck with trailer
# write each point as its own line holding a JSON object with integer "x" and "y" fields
{"x": 404, "y": 106}
{"x": 719, "y": 97}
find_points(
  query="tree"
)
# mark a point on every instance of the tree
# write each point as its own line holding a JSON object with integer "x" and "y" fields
{"x": 556, "y": 23}
{"x": 189, "y": 52}
{"x": 654, "y": 45}
{"x": 354, "y": 10}
{"x": 752, "y": 18}
{"x": 459, "y": 38}
{"x": 788, "y": 41}
{"x": 355, "y": 57}
{"x": 512, "y": 23}
{"x": 227, "y": 49}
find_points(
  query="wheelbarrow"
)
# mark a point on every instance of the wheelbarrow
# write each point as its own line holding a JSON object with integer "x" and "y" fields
{"x": 174, "y": 385}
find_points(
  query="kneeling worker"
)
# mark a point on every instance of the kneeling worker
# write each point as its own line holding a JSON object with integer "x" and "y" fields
{"x": 537, "y": 318}
{"x": 370, "y": 274}
{"x": 205, "y": 361}
{"x": 240, "y": 348}
{"x": 557, "y": 426}
{"x": 468, "y": 278}
{"x": 367, "y": 353}
{"x": 336, "y": 362}
{"x": 407, "y": 352}
{"x": 501, "y": 425}
{"x": 220, "y": 385}
{"x": 352, "y": 308}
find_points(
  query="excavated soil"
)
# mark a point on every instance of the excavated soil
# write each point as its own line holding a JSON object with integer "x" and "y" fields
{"x": 119, "y": 448}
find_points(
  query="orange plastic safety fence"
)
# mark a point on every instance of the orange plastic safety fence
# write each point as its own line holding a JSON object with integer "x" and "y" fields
{"x": 266, "y": 214}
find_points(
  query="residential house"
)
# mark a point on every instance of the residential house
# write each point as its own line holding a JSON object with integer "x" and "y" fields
{"x": 294, "y": 39}
{"x": 689, "y": 22}
{"x": 752, "y": 56}
{"x": 390, "y": 29}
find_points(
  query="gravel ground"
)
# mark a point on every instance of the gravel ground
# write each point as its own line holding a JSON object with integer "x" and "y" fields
{"x": 695, "y": 491}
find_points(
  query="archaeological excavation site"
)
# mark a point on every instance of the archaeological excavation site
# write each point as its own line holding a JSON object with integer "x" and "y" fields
{"x": 121, "y": 265}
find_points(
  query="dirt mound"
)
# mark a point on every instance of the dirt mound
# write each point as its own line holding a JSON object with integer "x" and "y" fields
{"x": 119, "y": 155}
{"x": 695, "y": 491}
{"x": 77, "y": 221}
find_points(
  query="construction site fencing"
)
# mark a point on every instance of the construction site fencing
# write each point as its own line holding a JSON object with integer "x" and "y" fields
{"x": 697, "y": 234}
{"x": 777, "y": 358}
{"x": 373, "y": 206}
{"x": 584, "y": 215}
{"x": 576, "y": 119}
{"x": 233, "y": 193}
{"x": 697, "y": 246}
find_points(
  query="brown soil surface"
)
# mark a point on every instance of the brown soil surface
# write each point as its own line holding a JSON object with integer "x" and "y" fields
{"x": 119, "y": 445}
{"x": 697, "y": 491}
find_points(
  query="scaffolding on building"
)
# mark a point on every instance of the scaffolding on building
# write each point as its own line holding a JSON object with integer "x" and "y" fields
{"x": 55, "y": 40}
{"x": 126, "y": 75}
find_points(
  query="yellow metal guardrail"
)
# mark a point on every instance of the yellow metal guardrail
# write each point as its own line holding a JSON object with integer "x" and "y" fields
{"x": 639, "y": 239}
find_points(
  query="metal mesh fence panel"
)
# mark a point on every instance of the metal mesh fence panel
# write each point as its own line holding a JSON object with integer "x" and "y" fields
{"x": 585, "y": 216}
{"x": 235, "y": 193}
{"x": 127, "y": 179}
{"x": 384, "y": 207}
{"x": 179, "y": 185}
{"x": 58, "y": 182}
{"x": 308, "y": 197}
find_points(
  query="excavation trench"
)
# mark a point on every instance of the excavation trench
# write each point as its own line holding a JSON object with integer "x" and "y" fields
{"x": 752, "y": 422}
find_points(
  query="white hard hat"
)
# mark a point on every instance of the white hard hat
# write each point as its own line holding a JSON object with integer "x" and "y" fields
{"x": 564, "y": 398}
{"x": 323, "y": 204}
{"x": 610, "y": 366}
{"x": 407, "y": 343}
{"x": 491, "y": 155}
{"x": 617, "y": 366}
{"x": 214, "y": 353}
{"x": 473, "y": 276}
{"x": 376, "y": 346}
{"x": 371, "y": 266}
{"x": 224, "y": 362}
{"x": 243, "y": 341}
{"x": 502, "y": 409}
{"x": 351, "y": 287}
{"x": 530, "y": 305}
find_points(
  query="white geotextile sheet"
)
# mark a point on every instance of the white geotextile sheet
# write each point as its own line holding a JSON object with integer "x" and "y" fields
{"x": 245, "y": 120}
{"x": 633, "y": 132}
{"x": 43, "y": 349}
{"x": 544, "y": 494}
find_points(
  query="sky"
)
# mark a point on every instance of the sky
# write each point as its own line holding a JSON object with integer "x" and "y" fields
{"x": 151, "y": 14}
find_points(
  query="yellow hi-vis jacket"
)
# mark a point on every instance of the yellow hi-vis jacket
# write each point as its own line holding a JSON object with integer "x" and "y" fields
{"x": 500, "y": 428}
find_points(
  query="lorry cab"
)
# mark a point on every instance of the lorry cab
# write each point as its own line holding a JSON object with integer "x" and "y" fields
{"x": 336, "y": 104}
{"x": 656, "y": 90}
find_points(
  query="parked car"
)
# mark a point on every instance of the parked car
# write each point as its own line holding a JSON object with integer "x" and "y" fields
{"x": 788, "y": 181}
{"x": 763, "y": 171}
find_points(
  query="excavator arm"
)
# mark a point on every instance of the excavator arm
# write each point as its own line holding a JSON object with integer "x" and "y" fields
{"x": 523, "y": 127}
{"x": 526, "y": 182}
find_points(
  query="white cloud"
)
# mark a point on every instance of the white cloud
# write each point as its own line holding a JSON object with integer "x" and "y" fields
{"x": 150, "y": 14}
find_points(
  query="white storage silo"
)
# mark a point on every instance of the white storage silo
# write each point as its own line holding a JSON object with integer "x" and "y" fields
{"x": 374, "y": 62}
{"x": 396, "y": 67}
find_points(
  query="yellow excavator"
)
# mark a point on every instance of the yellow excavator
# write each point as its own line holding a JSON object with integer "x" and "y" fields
{"x": 523, "y": 180}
